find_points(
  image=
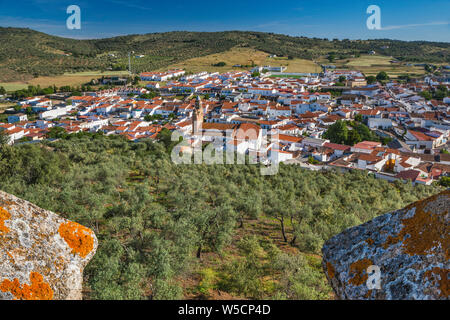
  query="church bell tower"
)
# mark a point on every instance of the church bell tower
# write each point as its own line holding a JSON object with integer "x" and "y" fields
{"x": 197, "y": 117}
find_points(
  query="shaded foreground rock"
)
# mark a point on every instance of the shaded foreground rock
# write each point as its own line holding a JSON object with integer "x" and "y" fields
{"x": 42, "y": 256}
{"x": 410, "y": 246}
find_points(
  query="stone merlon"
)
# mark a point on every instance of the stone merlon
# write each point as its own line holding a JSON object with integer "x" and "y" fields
{"x": 42, "y": 256}
{"x": 408, "y": 248}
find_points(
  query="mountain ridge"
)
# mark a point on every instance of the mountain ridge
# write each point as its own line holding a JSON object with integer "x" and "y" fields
{"x": 26, "y": 53}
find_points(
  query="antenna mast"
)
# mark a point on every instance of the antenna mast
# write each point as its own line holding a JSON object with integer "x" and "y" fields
{"x": 129, "y": 63}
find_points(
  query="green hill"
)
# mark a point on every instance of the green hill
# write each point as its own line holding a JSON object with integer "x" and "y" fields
{"x": 26, "y": 53}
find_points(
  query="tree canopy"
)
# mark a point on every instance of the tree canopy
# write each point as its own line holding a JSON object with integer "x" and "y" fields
{"x": 170, "y": 231}
{"x": 382, "y": 75}
{"x": 349, "y": 132}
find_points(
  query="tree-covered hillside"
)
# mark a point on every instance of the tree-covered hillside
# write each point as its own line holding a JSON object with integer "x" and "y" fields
{"x": 195, "y": 231}
{"x": 25, "y": 53}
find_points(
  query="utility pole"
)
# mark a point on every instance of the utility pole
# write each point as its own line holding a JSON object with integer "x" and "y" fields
{"x": 129, "y": 65}
{"x": 129, "y": 62}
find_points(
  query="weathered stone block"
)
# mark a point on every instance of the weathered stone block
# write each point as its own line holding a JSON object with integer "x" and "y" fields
{"x": 410, "y": 247}
{"x": 42, "y": 256}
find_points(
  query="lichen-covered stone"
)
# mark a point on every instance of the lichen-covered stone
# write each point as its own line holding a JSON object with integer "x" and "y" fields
{"x": 42, "y": 256}
{"x": 410, "y": 246}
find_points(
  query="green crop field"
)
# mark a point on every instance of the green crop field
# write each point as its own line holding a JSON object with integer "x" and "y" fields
{"x": 13, "y": 86}
{"x": 67, "y": 79}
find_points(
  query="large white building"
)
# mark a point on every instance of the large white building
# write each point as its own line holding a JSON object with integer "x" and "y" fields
{"x": 161, "y": 76}
{"x": 379, "y": 123}
{"x": 55, "y": 113}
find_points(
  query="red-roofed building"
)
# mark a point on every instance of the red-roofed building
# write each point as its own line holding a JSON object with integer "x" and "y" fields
{"x": 425, "y": 140}
{"x": 366, "y": 146}
{"x": 339, "y": 149}
{"x": 416, "y": 176}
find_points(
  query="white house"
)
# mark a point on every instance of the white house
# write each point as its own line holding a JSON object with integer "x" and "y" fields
{"x": 365, "y": 146}
{"x": 371, "y": 162}
{"x": 380, "y": 123}
{"x": 55, "y": 113}
{"x": 276, "y": 155}
{"x": 313, "y": 142}
{"x": 12, "y": 132}
{"x": 263, "y": 91}
{"x": 279, "y": 111}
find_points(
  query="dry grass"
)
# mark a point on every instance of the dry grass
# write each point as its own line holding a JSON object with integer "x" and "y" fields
{"x": 373, "y": 64}
{"x": 370, "y": 60}
{"x": 300, "y": 66}
{"x": 4, "y": 106}
{"x": 68, "y": 79}
{"x": 243, "y": 56}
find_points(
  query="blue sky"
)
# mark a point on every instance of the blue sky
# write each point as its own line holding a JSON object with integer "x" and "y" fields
{"x": 400, "y": 19}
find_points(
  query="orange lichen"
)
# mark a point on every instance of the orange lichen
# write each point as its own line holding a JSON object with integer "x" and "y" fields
{"x": 426, "y": 230}
{"x": 390, "y": 240}
{"x": 11, "y": 258}
{"x": 59, "y": 263}
{"x": 78, "y": 237}
{"x": 331, "y": 271}
{"x": 4, "y": 215}
{"x": 359, "y": 271}
{"x": 38, "y": 290}
{"x": 370, "y": 241}
{"x": 440, "y": 276}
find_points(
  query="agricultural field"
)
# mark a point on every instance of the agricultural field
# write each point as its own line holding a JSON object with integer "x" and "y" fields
{"x": 244, "y": 57}
{"x": 373, "y": 64}
{"x": 4, "y": 106}
{"x": 285, "y": 76}
{"x": 13, "y": 86}
{"x": 370, "y": 61}
{"x": 67, "y": 79}
{"x": 295, "y": 65}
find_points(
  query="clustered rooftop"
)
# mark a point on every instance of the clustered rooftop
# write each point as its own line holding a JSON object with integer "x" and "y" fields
{"x": 260, "y": 115}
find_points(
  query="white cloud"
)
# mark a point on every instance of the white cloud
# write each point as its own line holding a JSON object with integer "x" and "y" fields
{"x": 404, "y": 26}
